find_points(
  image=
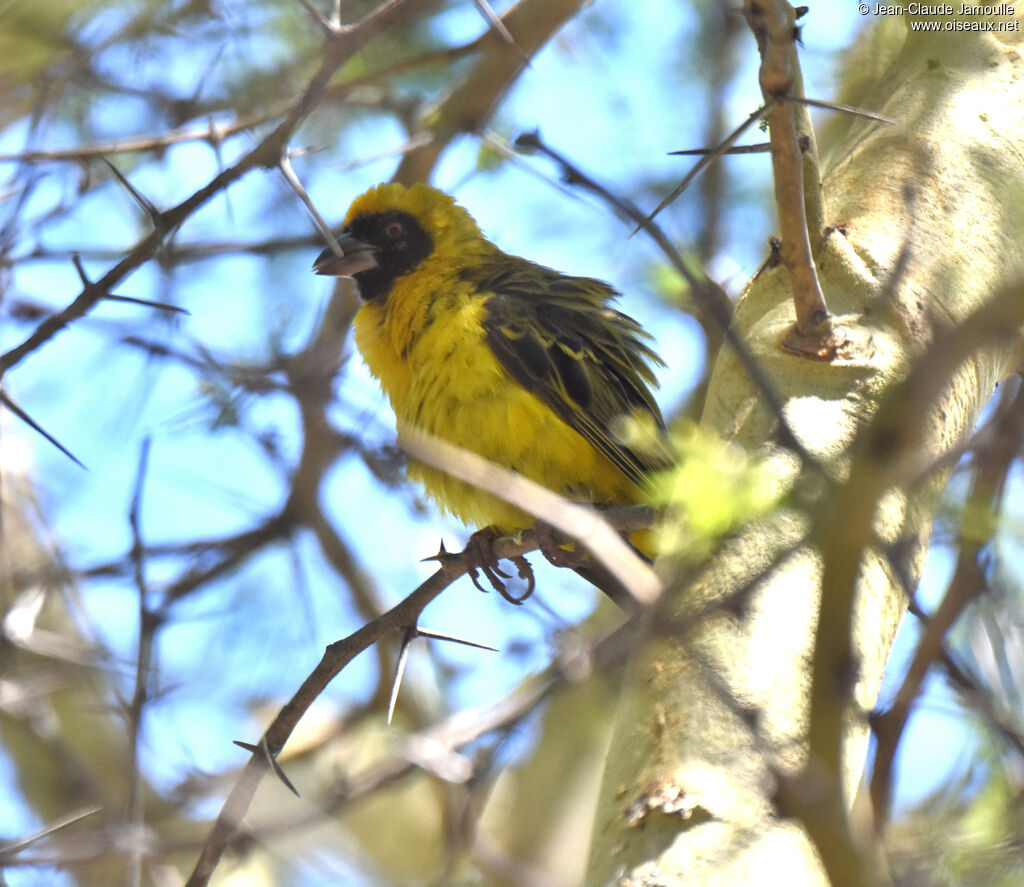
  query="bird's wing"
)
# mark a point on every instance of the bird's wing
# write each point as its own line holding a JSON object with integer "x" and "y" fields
{"x": 558, "y": 338}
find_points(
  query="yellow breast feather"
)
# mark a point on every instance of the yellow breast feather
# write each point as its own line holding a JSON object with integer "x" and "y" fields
{"x": 531, "y": 369}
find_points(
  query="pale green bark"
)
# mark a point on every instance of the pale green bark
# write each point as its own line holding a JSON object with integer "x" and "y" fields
{"x": 687, "y": 791}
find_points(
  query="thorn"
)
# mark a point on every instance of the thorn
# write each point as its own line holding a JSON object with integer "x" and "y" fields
{"x": 261, "y": 747}
{"x": 760, "y": 148}
{"x": 76, "y": 260}
{"x": 408, "y": 636}
{"x": 443, "y": 554}
{"x": 9, "y": 850}
{"x": 328, "y": 27}
{"x": 841, "y": 108}
{"x": 528, "y": 142}
{"x": 5, "y": 400}
{"x": 438, "y": 636}
{"x": 155, "y": 216}
{"x": 163, "y": 306}
{"x": 725, "y": 145}
{"x": 492, "y": 19}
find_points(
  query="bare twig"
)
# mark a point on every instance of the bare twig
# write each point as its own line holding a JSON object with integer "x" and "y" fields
{"x": 213, "y": 134}
{"x": 466, "y": 108}
{"x": 992, "y": 466}
{"x": 723, "y": 148}
{"x": 267, "y": 154}
{"x": 148, "y": 624}
{"x": 885, "y": 455}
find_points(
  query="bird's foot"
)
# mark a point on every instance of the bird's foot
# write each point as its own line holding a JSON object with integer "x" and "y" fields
{"x": 482, "y": 559}
{"x": 550, "y": 543}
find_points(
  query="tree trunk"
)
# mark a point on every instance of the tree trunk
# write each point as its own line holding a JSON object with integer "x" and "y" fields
{"x": 722, "y": 725}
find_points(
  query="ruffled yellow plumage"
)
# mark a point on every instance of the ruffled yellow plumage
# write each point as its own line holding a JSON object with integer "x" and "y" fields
{"x": 527, "y": 367}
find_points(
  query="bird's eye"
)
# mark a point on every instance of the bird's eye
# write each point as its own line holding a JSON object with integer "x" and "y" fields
{"x": 394, "y": 230}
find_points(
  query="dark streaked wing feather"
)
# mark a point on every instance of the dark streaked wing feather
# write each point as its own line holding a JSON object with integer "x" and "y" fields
{"x": 558, "y": 338}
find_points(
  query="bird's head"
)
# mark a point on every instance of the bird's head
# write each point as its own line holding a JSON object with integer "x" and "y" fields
{"x": 391, "y": 230}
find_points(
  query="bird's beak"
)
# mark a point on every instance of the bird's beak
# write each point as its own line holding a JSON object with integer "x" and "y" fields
{"x": 356, "y": 255}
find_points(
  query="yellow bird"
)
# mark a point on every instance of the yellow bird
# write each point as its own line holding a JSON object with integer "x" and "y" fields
{"x": 529, "y": 368}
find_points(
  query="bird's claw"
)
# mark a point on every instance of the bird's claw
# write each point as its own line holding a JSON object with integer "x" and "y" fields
{"x": 525, "y": 573}
{"x": 482, "y": 559}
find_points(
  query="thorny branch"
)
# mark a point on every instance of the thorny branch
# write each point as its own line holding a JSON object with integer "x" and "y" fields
{"x": 404, "y": 615}
{"x": 797, "y": 179}
{"x": 341, "y": 46}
